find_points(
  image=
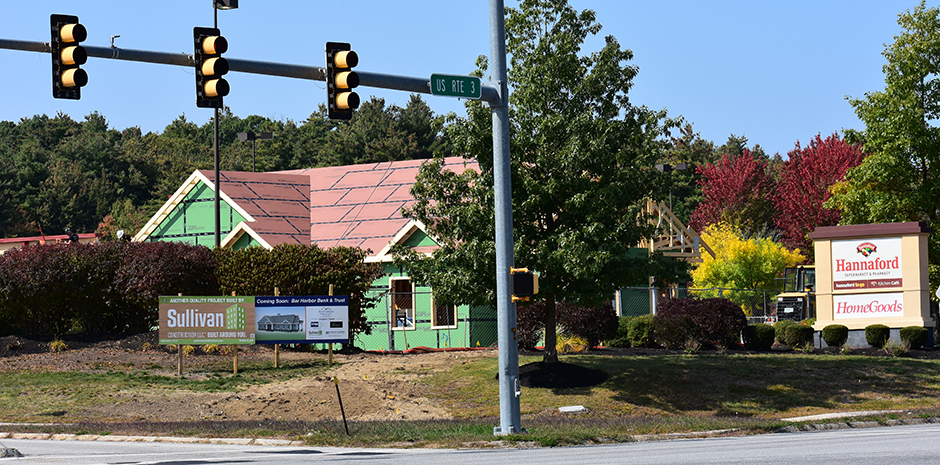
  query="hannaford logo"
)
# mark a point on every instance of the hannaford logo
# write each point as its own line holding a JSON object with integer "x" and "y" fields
{"x": 235, "y": 317}
{"x": 866, "y": 249}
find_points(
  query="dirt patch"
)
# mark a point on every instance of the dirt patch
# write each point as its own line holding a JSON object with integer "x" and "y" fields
{"x": 373, "y": 386}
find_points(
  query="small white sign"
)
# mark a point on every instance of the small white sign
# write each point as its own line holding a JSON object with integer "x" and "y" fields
{"x": 881, "y": 305}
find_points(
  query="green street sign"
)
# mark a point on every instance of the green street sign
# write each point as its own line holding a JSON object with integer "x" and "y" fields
{"x": 456, "y": 86}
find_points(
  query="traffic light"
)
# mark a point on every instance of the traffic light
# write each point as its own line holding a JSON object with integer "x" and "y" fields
{"x": 67, "y": 56}
{"x": 340, "y": 80}
{"x": 525, "y": 284}
{"x": 210, "y": 67}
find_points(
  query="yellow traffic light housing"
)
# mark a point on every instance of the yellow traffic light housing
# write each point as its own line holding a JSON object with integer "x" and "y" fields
{"x": 67, "y": 56}
{"x": 209, "y": 46}
{"x": 525, "y": 284}
{"x": 341, "y": 80}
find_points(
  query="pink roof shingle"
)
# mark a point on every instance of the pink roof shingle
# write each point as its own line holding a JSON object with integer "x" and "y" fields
{"x": 355, "y": 206}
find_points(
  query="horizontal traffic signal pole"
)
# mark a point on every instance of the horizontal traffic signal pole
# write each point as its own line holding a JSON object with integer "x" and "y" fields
{"x": 490, "y": 93}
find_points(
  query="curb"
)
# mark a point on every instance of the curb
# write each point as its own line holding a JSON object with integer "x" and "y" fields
{"x": 854, "y": 425}
{"x": 172, "y": 439}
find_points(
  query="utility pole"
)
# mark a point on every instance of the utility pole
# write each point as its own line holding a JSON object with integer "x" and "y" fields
{"x": 509, "y": 385}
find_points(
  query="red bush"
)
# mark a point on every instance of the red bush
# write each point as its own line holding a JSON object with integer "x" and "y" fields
{"x": 594, "y": 324}
{"x": 530, "y": 319}
{"x": 717, "y": 322}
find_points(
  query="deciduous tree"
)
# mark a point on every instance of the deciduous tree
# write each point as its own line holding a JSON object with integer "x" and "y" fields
{"x": 582, "y": 165}
{"x": 900, "y": 180}
{"x": 805, "y": 179}
{"x": 738, "y": 190}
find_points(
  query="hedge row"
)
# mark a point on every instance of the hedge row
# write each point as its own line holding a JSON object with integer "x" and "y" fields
{"x": 114, "y": 287}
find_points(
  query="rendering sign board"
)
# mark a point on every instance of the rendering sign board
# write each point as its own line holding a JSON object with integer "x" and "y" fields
{"x": 207, "y": 320}
{"x": 302, "y": 319}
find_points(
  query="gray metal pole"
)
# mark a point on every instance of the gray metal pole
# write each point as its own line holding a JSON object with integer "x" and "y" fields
{"x": 218, "y": 181}
{"x": 215, "y": 150}
{"x": 489, "y": 93}
{"x": 509, "y": 386}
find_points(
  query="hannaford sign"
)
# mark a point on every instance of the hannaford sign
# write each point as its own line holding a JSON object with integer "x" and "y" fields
{"x": 207, "y": 320}
{"x": 867, "y": 263}
{"x": 868, "y": 305}
{"x": 872, "y": 273}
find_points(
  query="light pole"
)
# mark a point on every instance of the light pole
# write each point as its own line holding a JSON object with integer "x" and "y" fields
{"x": 665, "y": 168}
{"x": 243, "y": 136}
{"x": 216, "y": 6}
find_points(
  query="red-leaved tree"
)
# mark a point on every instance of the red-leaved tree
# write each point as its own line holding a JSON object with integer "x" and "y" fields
{"x": 804, "y": 185}
{"x": 739, "y": 190}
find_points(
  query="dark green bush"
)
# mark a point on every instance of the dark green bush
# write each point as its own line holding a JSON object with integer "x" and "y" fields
{"x": 301, "y": 270}
{"x": 780, "y": 330}
{"x": 759, "y": 336}
{"x": 594, "y": 324}
{"x": 799, "y": 336}
{"x": 641, "y": 331}
{"x": 835, "y": 335}
{"x": 622, "y": 338}
{"x": 877, "y": 335}
{"x": 914, "y": 336}
{"x": 717, "y": 322}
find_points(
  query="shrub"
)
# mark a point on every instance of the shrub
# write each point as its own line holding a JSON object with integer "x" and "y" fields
{"x": 211, "y": 348}
{"x": 721, "y": 321}
{"x": 572, "y": 345}
{"x": 835, "y": 335}
{"x": 112, "y": 287}
{"x": 301, "y": 270}
{"x": 715, "y": 321}
{"x": 529, "y": 324}
{"x": 622, "y": 338}
{"x": 896, "y": 349}
{"x": 877, "y": 335}
{"x": 780, "y": 330}
{"x": 914, "y": 336}
{"x": 673, "y": 329}
{"x": 593, "y": 324}
{"x": 58, "y": 346}
{"x": 759, "y": 336}
{"x": 799, "y": 336}
{"x": 642, "y": 332}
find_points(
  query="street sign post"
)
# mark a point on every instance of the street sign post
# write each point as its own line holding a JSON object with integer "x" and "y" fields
{"x": 456, "y": 86}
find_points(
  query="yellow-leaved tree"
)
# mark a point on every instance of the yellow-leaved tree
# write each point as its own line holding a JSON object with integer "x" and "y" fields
{"x": 741, "y": 265}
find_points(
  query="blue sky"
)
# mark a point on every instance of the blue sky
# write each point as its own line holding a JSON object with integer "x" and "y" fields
{"x": 775, "y": 72}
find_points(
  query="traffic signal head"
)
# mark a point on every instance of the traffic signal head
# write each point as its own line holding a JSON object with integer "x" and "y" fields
{"x": 67, "y": 56}
{"x": 525, "y": 284}
{"x": 210, "y": 67}
{"x": 341, "y": 80}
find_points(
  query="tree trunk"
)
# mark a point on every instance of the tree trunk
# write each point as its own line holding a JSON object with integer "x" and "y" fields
{"x": 551, "y": 337}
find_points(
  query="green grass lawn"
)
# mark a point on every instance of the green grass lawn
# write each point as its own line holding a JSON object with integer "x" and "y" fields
{"x": 642, "y": 395}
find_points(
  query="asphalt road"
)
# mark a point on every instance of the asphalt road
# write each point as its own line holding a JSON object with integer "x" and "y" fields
{"x": 874, "y": 446}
